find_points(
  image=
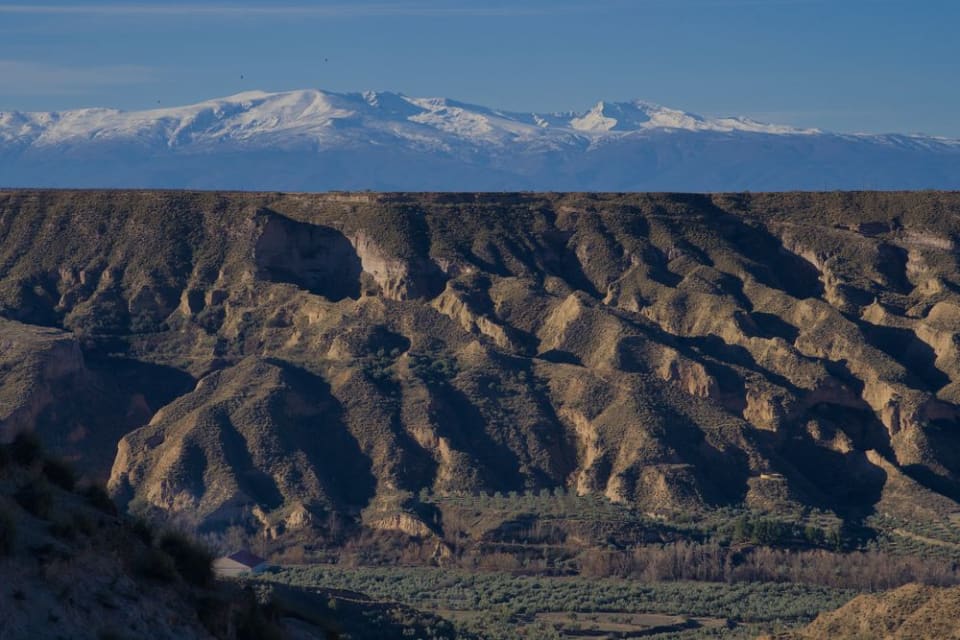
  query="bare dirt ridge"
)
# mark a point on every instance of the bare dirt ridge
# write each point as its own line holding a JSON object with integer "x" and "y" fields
{"x": 912, "y": 612}
{"x": 278, "y": 360}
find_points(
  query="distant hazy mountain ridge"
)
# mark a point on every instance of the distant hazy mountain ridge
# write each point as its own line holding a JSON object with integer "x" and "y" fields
{"x": 315, "y": 140}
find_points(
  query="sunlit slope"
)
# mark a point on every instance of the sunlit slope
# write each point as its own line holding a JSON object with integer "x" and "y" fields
{"x": 289, "y": 357}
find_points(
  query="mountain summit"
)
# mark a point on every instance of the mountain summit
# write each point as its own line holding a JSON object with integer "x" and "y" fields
{"x": 316, "y": 140}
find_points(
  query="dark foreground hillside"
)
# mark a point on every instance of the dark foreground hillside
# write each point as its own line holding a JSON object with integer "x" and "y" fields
{"x": 325, "y": 367}
{"x": 72, "y": 567}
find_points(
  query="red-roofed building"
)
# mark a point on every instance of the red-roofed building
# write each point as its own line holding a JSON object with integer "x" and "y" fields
{"x": 238, "y": 564}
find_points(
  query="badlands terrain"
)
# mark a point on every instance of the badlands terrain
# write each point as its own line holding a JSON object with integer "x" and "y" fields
{"x": 531, "y": 381}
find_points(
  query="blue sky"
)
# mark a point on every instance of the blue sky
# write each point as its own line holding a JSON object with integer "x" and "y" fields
{"x": 845, "y": 65}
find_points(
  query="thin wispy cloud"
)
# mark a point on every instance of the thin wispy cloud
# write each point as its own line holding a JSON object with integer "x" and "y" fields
{"x": 224, "y": 10}
{"x": 343, "y": 10}
{"x": 25, "y": 78}
{"x": 360, "y": 9}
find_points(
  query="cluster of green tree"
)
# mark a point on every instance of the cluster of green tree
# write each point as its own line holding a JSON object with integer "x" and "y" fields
{"x": 435, "y": 369}
{"x": 772, "y": 532}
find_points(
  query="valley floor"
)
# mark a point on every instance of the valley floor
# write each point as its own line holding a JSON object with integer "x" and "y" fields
{"x": 502, "y": 606}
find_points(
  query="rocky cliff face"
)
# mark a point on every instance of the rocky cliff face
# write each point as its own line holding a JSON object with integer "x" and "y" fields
{"x": 280, "y": 358}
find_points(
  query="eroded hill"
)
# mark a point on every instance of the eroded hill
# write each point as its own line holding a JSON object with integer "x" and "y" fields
{"x": 277, "y": 361}
{"x": 912, "y": 612}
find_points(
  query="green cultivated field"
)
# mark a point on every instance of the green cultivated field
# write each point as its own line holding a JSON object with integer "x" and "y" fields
{"x": 500, "y": 606}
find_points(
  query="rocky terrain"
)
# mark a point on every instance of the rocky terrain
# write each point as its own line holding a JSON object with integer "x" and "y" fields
{"x": 289, "y": 363}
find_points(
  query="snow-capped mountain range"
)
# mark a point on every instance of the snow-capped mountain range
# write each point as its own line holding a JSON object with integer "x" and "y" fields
{"x": 316, "y": 140}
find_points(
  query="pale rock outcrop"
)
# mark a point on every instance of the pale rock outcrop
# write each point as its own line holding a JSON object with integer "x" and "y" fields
{"x": 398, "y": 279}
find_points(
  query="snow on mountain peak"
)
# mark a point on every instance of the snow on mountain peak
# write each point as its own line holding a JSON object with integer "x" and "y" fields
{"x": 639, "y": 115}
{"x": 316, "y": 117}
{"x": 312, "y": 139}
{"x": 596, "y": 120}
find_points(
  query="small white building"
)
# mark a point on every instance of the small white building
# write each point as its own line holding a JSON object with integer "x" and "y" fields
{"x": 238, "y": 564}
